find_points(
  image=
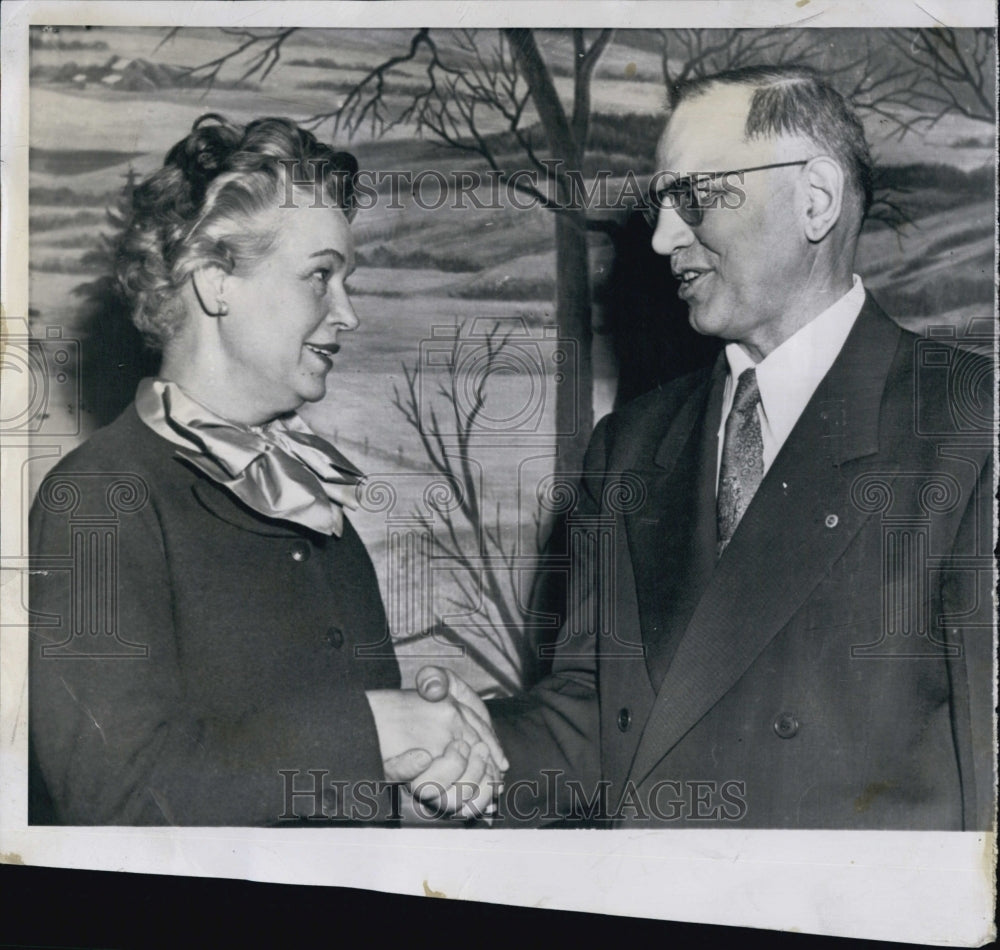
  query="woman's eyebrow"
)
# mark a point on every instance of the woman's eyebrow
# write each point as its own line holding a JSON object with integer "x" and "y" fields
{"x": 338, "y": 257}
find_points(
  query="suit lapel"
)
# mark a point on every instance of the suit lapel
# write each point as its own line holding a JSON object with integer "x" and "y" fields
{"x": 667, "y": 536}
{"x": 799, "y": 522}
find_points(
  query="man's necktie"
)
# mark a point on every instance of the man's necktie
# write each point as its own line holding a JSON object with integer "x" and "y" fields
{"x": 742, "y": 457}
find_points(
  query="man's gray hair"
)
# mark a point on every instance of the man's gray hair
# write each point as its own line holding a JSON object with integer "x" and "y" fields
{"x": 796, "y": 100}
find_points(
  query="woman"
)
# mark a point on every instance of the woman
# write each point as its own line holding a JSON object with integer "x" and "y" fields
{"x": 195, "y": 658}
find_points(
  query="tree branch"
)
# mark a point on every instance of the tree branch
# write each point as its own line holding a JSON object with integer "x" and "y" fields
{"x": 543, "y": 94}
{"x": 586, "y": 61}
{"x": 265, "y": 60}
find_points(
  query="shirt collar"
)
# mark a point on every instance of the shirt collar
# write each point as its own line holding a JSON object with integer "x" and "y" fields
{"x": 788, "y": 376}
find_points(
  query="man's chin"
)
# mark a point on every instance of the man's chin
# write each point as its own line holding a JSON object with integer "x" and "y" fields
{"x": 700, "y": 321}
{"x": 708, "y": 322}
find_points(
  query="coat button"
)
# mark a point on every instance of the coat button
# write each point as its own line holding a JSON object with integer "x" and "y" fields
{"x": 335, "y": 637}
{"x": 624, "y": 718}
{"x": 786, "y": 725}
{"x": 300, "y": 551}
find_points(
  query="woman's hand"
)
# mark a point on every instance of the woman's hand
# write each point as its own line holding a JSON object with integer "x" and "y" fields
{"x": 443, "y": 745}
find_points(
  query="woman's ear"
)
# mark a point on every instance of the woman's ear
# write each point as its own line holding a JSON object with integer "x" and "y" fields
{"x": 210, "y": 288}
{"x": 825, "y": 180}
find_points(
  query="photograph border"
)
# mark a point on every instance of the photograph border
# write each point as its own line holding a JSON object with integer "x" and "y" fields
{"x": 927, "y": 887}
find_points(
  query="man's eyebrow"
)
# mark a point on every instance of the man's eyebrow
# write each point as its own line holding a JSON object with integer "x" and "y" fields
{"x": 692, "y": 178}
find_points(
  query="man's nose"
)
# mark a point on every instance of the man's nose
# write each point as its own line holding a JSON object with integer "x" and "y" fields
{"x": 341, "y": 309}
{"x": 671, "y": 233}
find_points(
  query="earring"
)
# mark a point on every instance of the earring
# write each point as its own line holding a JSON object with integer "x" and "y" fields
{"x": 221, "y": 308}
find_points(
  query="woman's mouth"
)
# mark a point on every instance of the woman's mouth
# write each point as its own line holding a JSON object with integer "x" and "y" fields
{"x": 325, "y": 351}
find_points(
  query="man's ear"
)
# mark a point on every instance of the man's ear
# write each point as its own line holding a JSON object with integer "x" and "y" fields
{"x": 825, "y": 200}
{"x": 210, "y": 284}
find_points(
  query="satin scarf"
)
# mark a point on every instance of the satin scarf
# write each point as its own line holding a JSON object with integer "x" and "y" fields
{"x": 281, "y": 470}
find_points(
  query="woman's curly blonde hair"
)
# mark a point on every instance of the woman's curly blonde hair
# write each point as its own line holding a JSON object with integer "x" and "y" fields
{"x": 199, "y": 208}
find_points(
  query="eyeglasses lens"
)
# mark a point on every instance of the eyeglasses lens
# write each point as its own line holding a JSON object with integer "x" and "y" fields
{"x": 680, "y": 196}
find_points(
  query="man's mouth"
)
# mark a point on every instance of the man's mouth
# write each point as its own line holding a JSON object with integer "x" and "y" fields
{"x": 688, "y": 277}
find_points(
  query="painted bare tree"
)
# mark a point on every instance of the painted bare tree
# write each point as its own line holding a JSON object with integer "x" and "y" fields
{"x": 497, "y": 77}
{"x": 467, "y": 535}
{"x": 951, "y": 72}
{"x": 910, "y": 78}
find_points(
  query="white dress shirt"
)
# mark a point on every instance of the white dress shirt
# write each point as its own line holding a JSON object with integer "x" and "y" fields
{"x": 788, "y": 376}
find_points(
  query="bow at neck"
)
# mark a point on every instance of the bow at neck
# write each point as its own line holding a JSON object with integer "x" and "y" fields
{"x": 281, "y": 469}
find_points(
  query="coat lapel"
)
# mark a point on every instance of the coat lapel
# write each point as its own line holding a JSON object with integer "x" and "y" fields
{"x": 667, "y": 536}
{"x": 799, "y": 522}
{"x": 225, "y": 505}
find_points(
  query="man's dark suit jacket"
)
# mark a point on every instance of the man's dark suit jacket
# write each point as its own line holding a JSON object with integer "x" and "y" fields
{"x": 186, "y": 651}
{"x": 834, "y": 668}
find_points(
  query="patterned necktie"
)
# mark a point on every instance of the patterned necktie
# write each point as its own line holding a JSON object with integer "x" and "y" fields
{"x": 742, "y": 457}
{"x": 282, "y": 470}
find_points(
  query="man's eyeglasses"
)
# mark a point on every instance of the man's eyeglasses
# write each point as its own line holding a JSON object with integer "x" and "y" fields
{"x": 690, "y": 195}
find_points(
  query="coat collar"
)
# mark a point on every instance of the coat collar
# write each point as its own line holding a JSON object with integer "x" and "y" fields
{"x": 844, "y": 412}
{"x": 849, "y": 395}
{"x": 690, "y": 417}
{"x": 141, "y": 445}
{"x": 226, "y": 506}
{"x": 797, "y": 525}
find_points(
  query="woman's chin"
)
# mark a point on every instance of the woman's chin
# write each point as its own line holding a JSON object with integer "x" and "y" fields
{"x": 293, "y": 402}
{"x": 312, "y": 393}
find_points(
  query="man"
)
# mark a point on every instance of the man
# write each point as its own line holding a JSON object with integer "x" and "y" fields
{"x": 793, "y": 625}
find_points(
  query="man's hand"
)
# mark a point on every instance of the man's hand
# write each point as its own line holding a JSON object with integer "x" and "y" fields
{"x": 434, "y": 683}
{"x": 438, "y": 738}
{"x": 460, "y": 782}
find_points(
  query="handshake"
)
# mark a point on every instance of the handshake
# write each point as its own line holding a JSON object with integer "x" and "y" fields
{"x": 439, "y": 740}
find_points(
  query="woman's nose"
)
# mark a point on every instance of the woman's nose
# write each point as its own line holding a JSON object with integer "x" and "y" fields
{"x": 342, "y": 310}
{"x": 671, "y": 233}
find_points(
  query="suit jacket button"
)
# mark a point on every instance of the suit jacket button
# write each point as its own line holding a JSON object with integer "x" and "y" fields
{"x": 335, "y": 637}
{"x": 624, "y": 718}
{"x": 786, "y": 725}
{"x": 300, "y": 551}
